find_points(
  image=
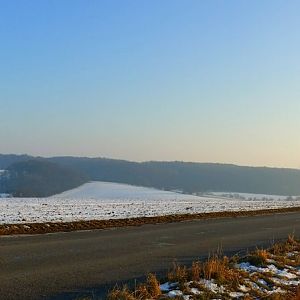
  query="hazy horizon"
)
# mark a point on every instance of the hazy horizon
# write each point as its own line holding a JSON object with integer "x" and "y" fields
{"x": 197, "y": 81}
{"x": 143, "y": 161}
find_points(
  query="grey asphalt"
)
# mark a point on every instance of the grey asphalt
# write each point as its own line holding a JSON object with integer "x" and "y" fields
{"x": 67, "y": 265}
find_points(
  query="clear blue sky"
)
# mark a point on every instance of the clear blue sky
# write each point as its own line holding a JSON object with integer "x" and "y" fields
{"x": 197, "y": 80}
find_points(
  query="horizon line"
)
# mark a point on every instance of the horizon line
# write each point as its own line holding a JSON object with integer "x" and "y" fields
{"x": 149, "y": 161}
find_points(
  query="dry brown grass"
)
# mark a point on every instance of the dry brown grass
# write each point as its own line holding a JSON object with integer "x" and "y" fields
{"x": 178, "y": 273}
{"x": 291, "y": 244}
{"x": 218, "y": 268}
{"x": 196, "y": 270}
{"x": 121, "y": 294}
{"x": 278, "y": 249}
{"x": 297, "y": 294}
{"x": 297, "y": 258}
{"x": 153, "y": 285}
{"x": 278, "y": 296}
{"x": 291, "y": 239}
{"x": 258, "y": 257}
{"x": 262, "y": 253}
{"x": 148, "y": 290}
{"x": 213, "y": 267}
{"x": 141, "y": 292}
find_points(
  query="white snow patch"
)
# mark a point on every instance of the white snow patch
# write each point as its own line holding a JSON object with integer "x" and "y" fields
{"x": 212, "y": 286}
{"x": 243, "y": 288}
{"x": 175, "y": 293}
{"x": 268, "y": 269}
{"x": 195, "y": 291}
{"x": 236, "y": 294}
{"x": 165, "y": 287}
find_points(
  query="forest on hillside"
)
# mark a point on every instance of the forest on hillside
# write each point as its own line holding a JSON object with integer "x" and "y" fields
{"x": 35, "y": 176}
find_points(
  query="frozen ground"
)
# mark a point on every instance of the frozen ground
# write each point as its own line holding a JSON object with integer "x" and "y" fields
{"x": 102, "y": 200}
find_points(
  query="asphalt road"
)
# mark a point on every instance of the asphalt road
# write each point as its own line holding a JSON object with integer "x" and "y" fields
{"x": 65, "y": 265}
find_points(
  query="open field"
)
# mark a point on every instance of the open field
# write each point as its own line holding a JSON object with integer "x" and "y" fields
{"x": 103, "y": 201}
{"x": 52, "y": 227}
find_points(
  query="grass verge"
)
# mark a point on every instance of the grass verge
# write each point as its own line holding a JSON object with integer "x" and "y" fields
{"x": 272, "y": 274}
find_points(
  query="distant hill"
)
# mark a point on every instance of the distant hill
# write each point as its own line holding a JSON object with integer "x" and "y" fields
{"x": 39, "y": 178}
{"x": 186, "y": 176}
{"x": 190, "y": 177}
{"x": 8, "y": 159}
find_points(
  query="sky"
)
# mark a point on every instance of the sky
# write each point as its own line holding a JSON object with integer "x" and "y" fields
{"x": 205, "y": 81}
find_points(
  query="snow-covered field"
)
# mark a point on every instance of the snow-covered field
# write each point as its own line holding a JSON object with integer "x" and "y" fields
{"x": 102, "y": 200}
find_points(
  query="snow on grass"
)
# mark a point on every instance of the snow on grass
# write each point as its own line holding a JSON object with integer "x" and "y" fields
{"x": 268, "y": 269}
{"x": 251, "y": 276}
{"x": 103, "y": 200}
{"x": 175, "y": 293}
{"x": 252, "y": 281}
{"x": 167, "y": 286}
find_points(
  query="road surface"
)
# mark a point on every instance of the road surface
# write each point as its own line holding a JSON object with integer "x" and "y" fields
{"x": 66, "y": 265}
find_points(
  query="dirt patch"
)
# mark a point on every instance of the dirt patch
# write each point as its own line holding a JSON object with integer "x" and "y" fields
{"x": 38, "y": 228}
